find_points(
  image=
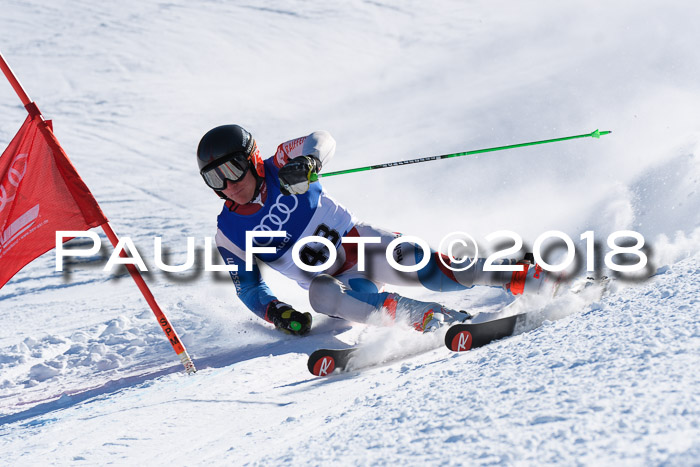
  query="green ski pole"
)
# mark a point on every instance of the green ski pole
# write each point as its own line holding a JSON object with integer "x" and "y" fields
{"x": 594, "y": 134}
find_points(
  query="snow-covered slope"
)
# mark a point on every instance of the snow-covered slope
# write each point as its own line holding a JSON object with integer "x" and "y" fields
{"x": 617, "y": 382}
{"x": 86, "y": 375}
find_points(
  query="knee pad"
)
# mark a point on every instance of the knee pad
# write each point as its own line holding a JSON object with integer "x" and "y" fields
{"x": 324, "y": 291}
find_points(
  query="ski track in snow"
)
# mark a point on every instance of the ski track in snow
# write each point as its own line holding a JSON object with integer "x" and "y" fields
{"x": 86, "y": 374}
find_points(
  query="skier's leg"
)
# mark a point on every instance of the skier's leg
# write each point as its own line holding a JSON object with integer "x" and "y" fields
{"x": 436, "y": 275}
{"x": 330, "y": 296}
{"x": 356, "y": 295}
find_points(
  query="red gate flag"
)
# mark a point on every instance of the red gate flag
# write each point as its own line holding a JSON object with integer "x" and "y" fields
{"x": 40, "y": 193}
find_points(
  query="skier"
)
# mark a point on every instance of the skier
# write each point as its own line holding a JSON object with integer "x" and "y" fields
{"x": 277, "y": 194}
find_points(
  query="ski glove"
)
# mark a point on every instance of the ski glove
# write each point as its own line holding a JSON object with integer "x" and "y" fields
{"x": 295, "y": 176}
{"x": 287, "y": 319}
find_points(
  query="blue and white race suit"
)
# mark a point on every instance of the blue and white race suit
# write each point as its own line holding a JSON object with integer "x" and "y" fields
{"x": 341, "y": 290}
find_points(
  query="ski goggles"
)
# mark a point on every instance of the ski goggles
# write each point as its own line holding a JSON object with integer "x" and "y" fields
{"x": 233, "y": 170}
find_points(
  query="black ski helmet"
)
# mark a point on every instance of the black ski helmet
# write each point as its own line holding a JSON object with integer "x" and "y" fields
{"x": 220, "y": 143}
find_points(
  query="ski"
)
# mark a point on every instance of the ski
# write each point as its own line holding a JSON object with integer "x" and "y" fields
{"x": 464, "y": 336}
{"x": 324, "y": 361}
{"x": 459, "y": 337}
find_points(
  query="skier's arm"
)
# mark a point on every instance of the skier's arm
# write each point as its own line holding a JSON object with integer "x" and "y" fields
{"x": 319, "y": 145}
{"x": 257, "y": 296}
{"x": 299, "y": 172}
{"x": 250, "y": 287}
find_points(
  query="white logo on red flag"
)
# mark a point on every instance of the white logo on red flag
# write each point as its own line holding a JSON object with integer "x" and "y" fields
{"x": 15, "y": 229}
{"x": 15, "y": 174}
{"x": 40, "y": 193}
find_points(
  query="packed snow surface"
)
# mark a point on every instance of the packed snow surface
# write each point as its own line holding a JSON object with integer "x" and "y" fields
{"x": 86, "y": 374}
